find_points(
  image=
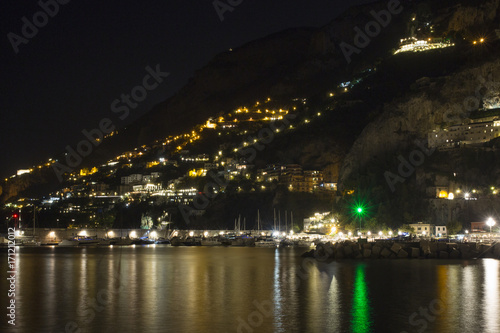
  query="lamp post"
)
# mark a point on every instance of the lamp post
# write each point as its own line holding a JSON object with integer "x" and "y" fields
{"x": 359, "y": 210}
{"x": 490, "y": 223}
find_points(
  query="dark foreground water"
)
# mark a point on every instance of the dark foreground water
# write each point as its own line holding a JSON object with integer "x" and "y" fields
{"x": 200, "y": 289}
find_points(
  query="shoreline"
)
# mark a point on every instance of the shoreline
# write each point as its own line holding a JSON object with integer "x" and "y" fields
{"x": 424, "y": 249}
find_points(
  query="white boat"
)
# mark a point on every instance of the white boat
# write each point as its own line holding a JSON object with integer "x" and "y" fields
{"x": 79, "y": 240}
{"x": 106, "y": 242}
{"x": 29, "y": 242}
{"x": 267, "y": 242}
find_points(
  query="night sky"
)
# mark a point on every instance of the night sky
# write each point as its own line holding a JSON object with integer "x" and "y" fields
{"x": 64, "y": 78}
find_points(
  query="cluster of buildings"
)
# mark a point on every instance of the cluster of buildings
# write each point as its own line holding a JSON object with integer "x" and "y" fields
{"x": 295, "y": 178}
{"x": 429, "y": 230}
{"x": 319, "y": 223}
{"x": 473, "y": 132}
{"x": 140, "y": 183}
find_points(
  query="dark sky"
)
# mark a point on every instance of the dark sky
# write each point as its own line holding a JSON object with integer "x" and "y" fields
{"x": 65, "y": 77}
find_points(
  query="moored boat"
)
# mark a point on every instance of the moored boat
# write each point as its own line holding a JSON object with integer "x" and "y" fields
{"x": 79, "y": 241}
{"x": 143, "y": 241}
{"x": 163, "y": 241}
{"x": 123, "y": 241}
{"x": 267, "y": 242}
{"x": 190, "y": 241}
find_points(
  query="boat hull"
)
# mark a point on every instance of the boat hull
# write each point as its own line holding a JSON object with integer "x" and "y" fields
{"x": 74, "y": 242}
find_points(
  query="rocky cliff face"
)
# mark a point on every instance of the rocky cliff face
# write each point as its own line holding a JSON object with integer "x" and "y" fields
{"x": 466, "y": 17}
{"x": 445, "y": 100}
{"x": 296, "y": 62}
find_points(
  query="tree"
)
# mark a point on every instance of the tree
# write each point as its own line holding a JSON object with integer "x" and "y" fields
{"x": 407, "y": 228}
{"x": 453, "y": 227}
{"x": 352, "y": 227}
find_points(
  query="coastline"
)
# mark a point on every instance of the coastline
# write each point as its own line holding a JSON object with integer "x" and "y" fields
{"x": 424, "y": 249}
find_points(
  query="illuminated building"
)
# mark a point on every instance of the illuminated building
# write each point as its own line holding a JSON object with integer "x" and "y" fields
{"x": 412, "y": 44}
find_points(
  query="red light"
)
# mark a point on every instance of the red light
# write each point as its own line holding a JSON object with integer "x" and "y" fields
{"x": 14, "y": 216}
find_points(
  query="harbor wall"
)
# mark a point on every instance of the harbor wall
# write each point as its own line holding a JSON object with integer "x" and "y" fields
{"x": 424, "y": 249}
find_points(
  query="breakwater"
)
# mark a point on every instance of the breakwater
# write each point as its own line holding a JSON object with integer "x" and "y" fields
{"x": 424, "y": 249}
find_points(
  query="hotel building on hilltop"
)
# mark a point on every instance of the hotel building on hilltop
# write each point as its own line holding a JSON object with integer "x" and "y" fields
{"x": 412, "y": 44}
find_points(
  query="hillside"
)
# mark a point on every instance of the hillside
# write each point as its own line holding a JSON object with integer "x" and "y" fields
{"x": 351, "y": 119}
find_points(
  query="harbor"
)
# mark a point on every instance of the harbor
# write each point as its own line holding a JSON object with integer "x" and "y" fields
{"x": 108, "y": 237}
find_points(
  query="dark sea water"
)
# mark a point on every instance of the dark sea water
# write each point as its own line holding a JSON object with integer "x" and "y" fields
{"x": 219, "y": 289}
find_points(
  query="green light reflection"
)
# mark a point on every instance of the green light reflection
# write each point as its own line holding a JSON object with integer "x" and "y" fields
{"x": 360, "y": 304}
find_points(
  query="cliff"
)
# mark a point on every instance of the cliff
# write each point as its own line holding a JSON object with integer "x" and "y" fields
{"x": 442, "y": 100}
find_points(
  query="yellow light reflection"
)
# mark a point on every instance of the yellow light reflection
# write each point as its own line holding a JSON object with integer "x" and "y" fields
{"x": 444, "y": 294}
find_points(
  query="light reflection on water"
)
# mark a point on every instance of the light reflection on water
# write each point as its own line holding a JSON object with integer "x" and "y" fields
{"x": 231, "y": 290}
{"x": 491, "y": 292}
{"x": 360, "y": 313}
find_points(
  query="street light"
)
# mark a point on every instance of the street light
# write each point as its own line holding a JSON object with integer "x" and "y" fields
{"x": 359, "y": 211}
{"x": 491, "y": 223}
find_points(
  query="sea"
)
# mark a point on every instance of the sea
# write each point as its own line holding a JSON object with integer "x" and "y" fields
{"x": 158, "y": 288}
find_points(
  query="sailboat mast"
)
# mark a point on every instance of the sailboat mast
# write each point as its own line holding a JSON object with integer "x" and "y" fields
{"x": 34, "y": 219}
{"x": 258, "y": 220}
{"x": 286, "y": 223}
{"x": 279, "y": 220}
{"x": 274, "y": 219}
